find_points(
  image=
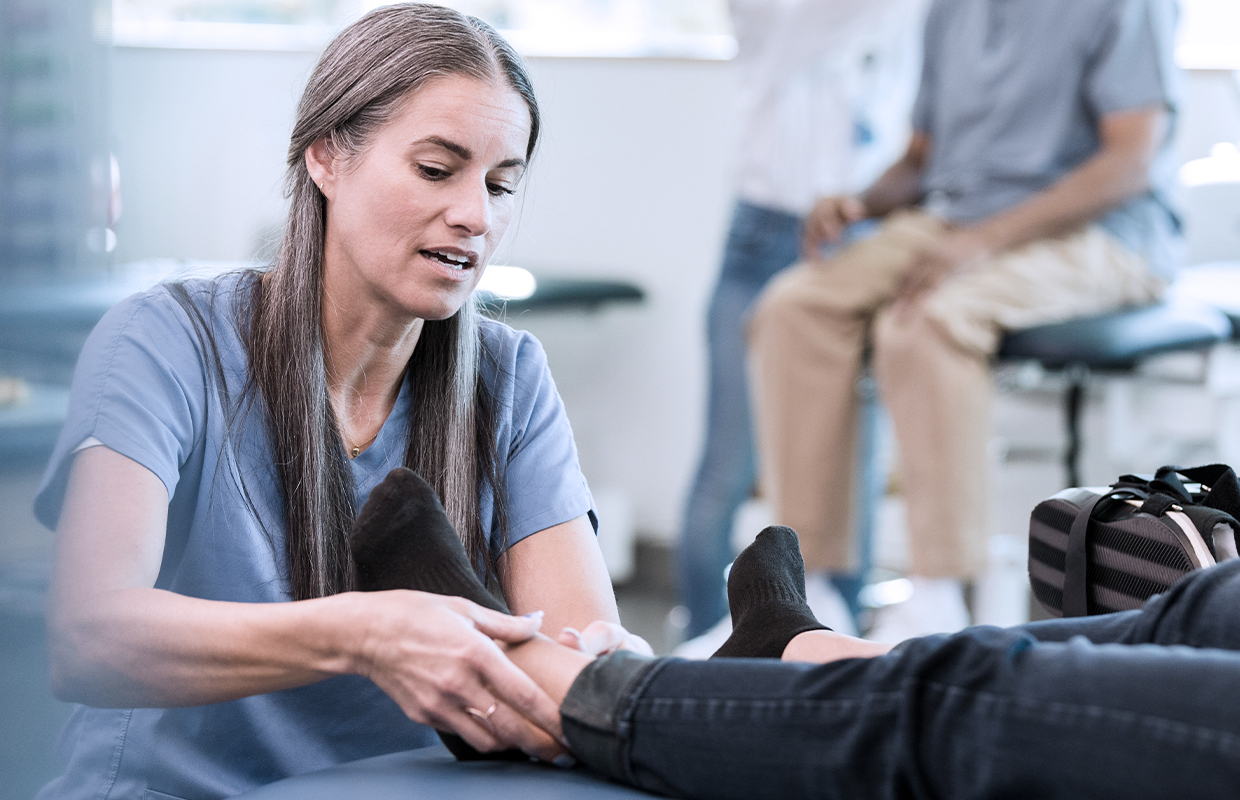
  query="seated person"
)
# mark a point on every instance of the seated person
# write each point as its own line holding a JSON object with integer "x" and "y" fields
{"x": 1034, "y": 189}
{"x": 1135, "y": 704}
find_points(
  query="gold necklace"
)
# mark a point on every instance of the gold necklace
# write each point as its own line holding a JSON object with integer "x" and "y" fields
{"x": 356, "y": 450}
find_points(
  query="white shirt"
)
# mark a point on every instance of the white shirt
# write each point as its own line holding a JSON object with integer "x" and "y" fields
{"x": 825, "y": 91}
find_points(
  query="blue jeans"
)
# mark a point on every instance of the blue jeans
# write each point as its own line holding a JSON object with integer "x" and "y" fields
{"x": 760, "y": 243}
{"x": 1139, "y": 704}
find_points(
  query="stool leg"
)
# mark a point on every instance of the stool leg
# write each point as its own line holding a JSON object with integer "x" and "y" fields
{"x": 869, "y": 489}
{"x": 1073, "y": 397}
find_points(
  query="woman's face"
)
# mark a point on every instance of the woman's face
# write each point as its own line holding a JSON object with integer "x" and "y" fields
{"x": 413, "y": 220}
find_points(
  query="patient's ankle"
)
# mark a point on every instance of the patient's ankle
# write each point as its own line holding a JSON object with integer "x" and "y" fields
{"x": 552, "y": 666}
{"x": 823, "y": 646}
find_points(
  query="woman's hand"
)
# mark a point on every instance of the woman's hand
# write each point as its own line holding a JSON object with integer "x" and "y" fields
{"x": 601, "y": 637}
{"x": 438, "y": 658}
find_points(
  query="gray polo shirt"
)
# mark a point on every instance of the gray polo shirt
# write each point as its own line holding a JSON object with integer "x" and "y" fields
{"x": 1011, "y": 94}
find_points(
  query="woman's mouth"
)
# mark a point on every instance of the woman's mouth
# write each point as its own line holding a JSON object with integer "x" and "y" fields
{"x": 449, "y": 259}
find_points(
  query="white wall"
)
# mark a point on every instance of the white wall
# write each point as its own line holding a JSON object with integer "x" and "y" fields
{"x": 630, "y": 181}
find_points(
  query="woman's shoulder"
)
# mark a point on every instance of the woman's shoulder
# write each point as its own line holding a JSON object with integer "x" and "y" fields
{"x": 175, "y": 303}
{"x": 172, "y": 326}
{"x": 510, "y": 350}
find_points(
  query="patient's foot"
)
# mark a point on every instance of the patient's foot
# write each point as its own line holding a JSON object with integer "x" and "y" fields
{"x": 823, "y": 646}
{"x": 766, "y": 594}
{"x": 403, "y": 540}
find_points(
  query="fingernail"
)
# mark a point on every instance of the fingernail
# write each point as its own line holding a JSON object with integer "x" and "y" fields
{"x": 564, "y": 761}
{"x": 533, "y": 615}
{"x": 576, "y": 634}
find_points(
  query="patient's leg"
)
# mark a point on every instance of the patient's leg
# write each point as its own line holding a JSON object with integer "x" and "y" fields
{"x": 1201, "y": 610}
{"x": 982, "y": 713}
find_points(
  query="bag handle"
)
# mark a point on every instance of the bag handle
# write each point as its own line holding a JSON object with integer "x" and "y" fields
{"x": 1076, "y": 562}
{"x": 1224, "y": 491}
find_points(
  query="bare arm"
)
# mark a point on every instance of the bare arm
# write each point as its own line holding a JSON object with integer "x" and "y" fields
{"x": 1119, "y": 170}
{"x": 116, "y": 641}
{"x": 898, "y": 187}
{"x": 560, "y": 571}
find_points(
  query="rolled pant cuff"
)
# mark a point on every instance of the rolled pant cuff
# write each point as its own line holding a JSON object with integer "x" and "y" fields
{"x": 595, "y": 712}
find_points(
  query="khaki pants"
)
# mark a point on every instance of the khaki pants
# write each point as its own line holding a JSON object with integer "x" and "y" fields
{"x": 807, "y": 336}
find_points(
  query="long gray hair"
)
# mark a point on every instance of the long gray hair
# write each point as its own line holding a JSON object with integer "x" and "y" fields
{"x": 358, "y": 85}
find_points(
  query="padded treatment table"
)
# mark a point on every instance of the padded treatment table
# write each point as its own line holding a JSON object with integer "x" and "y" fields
{"x": 433, "y": 773}
{"x": 1112, "y": 342}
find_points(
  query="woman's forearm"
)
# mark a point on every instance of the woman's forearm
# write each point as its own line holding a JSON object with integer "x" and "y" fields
{"x": 149, "y": 647}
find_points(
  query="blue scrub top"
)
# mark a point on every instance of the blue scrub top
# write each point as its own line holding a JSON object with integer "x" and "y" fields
{"x": 141, "y": 387}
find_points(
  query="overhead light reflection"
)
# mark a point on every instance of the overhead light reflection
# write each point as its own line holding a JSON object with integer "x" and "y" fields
{"x": 508, "y": 283}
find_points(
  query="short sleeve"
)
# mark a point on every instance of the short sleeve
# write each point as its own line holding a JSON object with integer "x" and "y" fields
{"x": 1133, "y": 67}
{"x": 139, "y": 388}
{"x": 542, "y": 477}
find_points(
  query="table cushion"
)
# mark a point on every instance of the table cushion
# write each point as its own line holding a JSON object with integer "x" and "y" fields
{"x": 1119, "y": 339}
{"x": 432, "y": 772}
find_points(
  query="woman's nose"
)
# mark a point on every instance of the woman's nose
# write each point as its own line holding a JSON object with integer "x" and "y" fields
{"x": 470, "y": 208}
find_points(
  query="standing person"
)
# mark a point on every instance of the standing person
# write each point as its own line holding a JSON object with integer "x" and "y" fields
{"x": 1036, "y": 188}
{"x": 821, "y": 83}
{"x": 223, "y": 433}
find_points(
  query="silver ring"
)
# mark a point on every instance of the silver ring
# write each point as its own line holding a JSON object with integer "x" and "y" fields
{"x": 485, "y": 716}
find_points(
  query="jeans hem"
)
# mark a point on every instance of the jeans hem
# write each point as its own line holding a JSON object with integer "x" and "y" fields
{"x": 595, "y": 712}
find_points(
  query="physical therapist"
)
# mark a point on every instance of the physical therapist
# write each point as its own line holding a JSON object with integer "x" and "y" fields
{"x": 223, "y": 434}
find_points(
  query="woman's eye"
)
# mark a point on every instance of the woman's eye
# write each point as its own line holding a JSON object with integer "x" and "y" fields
{"x": 498, "y": 189}
{"x": 432, "y": 173}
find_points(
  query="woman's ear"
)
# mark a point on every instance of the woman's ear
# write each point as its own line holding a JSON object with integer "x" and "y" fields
{"x": 321, "y": 164}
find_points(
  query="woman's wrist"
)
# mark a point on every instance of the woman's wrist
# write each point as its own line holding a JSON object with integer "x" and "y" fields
{"x": 345, "y": 624}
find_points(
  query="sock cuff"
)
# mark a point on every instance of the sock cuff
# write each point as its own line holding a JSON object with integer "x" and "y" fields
{"x": 774, "y": 592}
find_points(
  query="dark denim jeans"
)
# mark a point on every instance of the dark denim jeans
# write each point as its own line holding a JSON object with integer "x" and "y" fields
{"x": 1140, "y": 704}
{"x": 760, "y": 243}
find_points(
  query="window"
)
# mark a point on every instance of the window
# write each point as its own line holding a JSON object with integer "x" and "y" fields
{"x": 617, "y": 28}
{"x": 1209, "y": 34}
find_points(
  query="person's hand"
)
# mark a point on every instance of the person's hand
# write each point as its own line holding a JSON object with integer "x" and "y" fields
{"x": 958, "y": 251}
{"x": 600, "y": 638}
{"x": 827, "y": 220}
{"x": 437, "y": 657}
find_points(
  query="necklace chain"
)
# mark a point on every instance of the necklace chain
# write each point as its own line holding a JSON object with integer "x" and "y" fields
{"x": 355, "y": 450}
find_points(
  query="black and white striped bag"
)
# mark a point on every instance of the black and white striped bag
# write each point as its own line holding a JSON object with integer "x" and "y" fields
{"x": 1097, "y": 550}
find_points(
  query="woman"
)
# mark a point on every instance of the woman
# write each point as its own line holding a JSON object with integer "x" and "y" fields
{"x": 223, "y": 434}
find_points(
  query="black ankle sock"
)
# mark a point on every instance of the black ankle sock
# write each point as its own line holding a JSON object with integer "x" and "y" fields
{"x": 403, "y": 540}
{"x": 766, "y": 594}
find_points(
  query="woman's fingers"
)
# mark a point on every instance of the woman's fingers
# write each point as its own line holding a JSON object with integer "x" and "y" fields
{"x": 505, "y": 627}
{"x": 438, "y": 656}
{"x": 601, "y": 637}
{"x": 509, "y": 726}
{"x": 515, "y": 689}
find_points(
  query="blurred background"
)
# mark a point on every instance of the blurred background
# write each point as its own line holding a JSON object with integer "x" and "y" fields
{"x": 142, "y": 137}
